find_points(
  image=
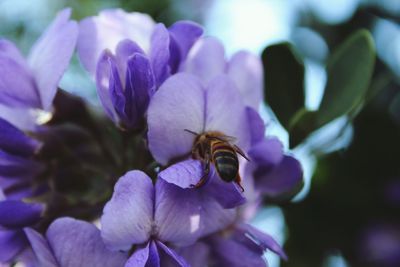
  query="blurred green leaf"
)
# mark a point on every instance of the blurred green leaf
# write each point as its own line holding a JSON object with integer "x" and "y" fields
{"x": 284, "y": 81}
{"x": 349, "y": 70}
{"x": 302, "y": 124}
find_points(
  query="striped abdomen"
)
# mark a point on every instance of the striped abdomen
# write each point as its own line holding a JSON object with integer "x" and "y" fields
{"x": 225, "y": 160}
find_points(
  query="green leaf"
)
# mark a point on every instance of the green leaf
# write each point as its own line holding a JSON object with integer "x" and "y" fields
{"x": 302, "y": 124}
{"x": 284, "y": 81}
{"x": 349, "y": 70}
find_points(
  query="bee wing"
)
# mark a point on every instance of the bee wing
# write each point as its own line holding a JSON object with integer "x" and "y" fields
{"x": 224, "y": 138}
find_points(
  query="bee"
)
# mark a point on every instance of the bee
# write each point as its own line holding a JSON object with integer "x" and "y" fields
{"x": 217, "y": 148}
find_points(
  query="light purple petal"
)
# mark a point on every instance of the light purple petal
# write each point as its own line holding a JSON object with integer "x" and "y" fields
{"x": 11, "y": 243}
{"x": 104, "y": 81}
{"x": 183, "y": 174}
{"x": 228, "y": 195}
{"x": 256, "y": 125}
{"x": 17, "y": 214}
{"x": 177, "y": 259}
{"x": 50, "y": 56}
{"x": 159, "y": 53}
{"x": 283, "y": 181}
{"x": 15, "y": 141}
{"x": 8, "y": 49}
{"x": 124, "y": 50}
{"x": 231, "y": 252}
{"x": 107, "y": 29}
{"x": 267, "y": 153}
{"x": 41, "y": 249}
{"x": 17, "y": 85}
{"x": 246, "y": 70}
{"x": 197, "y": 255}
{"x": 21, "y": 118}
{"x": 264, "y": 240}
{"x": 78, "y": 244}
{"x": 185, "y": 34}
{"x": 206, "y": 59}
{"x": 187, "y": 173}
{"x": 139, "y": 257}
{"x": 127, "y": 218}
{"x": 177, "y": 105}
{"x": 184, "y": 215}
{"x": 225, "y": 111}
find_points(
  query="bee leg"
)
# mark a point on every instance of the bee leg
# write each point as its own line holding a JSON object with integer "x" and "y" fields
{"x": 238, "y": 181}
{"x": 204, "y": 178}
{"x": 240, "y": 152}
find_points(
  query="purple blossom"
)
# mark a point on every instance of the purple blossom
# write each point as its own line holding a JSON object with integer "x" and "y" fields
{"x": 152, "y": 217}
{"x": 71, "y": 243}
{"x": 276, "y": 175}
{"x": 32, "y": 82}
{"x": 207, "y": 60}
{"x": 131, "y": 62}
{"x": 183, "y": 102}
{"x": 14, "y": 216}
{"x": 18, "y": 166}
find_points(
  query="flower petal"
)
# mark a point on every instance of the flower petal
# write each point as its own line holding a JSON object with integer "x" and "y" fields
{"x": 185, "y": 34}
{"x": 77, "y": 243}
{"x": 159, "y": 53}
{"x": 206, "y": 59}
{"x": 172, "y": 255}
{"x": 22, "y": 118}
{"x": 228, "y": 195}
{"x": 8, "y": 49}
{"x": 41, "y": 249}
{"x": 225, "y": 111}
{"x": 264, "y": 240}
{"x": 139, "y": 257}
{"x": 105, "y": 81}
{"x": 177, "y": 105}
{"x": 140, "y": 86}
{"x": 184, "y": 215}
{"x": 283, "y": 181}
{"x": 16, "y": 166}
{"x": 197, "y": 255}
{"x": 17, "y": 85}
{"x": 233, "y": 252}
{"x": 14, "y": 141}
{"x": 184, "y": 174}
{"x": 16, "y": 214}
{"x": 267, "y": 153}
{"x": 11, "y": 244}
{"x": 128, "y": 216}
{"x": 246, "y": 70}
{"x": 256, "y": 125}
{"x": 50, "y": 56}
{"x": 107, "y": 29}
{"x": 124, "y": 50}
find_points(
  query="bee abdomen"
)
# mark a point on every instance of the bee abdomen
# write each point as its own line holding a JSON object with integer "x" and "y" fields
{"x": 227, "y": 164}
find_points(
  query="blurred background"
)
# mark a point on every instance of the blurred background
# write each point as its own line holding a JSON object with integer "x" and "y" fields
{"x": 348, "y": 213}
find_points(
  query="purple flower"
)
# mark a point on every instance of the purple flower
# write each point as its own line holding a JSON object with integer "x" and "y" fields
{"x": 131, "y": 56}
{"x": 72, "y": 243}
{"x": 32, "y": 82}
{"x": 14, "y": 216}
{"x": 276, "y": 175}
{"x": 153, "y": 217}
{"x": 183, "y": 102}
{"x": 242, "y": 244}
{"x": 18, "y": 166}
{"x": 207, "y": 60}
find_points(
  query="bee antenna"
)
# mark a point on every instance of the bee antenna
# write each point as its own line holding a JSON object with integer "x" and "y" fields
{"x": 189, "y": 131}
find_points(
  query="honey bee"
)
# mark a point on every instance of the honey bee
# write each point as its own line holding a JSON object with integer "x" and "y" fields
{"x": 216, "y": 148}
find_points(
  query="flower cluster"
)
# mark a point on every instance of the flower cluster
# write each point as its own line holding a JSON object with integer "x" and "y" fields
{"x": 174, "y": 175}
